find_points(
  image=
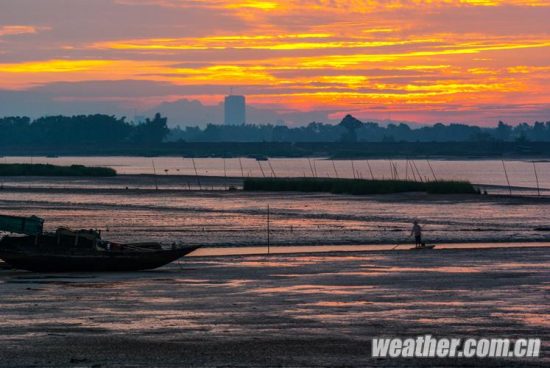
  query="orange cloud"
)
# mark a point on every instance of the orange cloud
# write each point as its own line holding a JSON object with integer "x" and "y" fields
{"x": 258, "y": 42}
{"x": 27, "y": 74}
{"x": 309, "y": 54}
{"x": 18, "y": 30}
{"x": 356, "y": 5}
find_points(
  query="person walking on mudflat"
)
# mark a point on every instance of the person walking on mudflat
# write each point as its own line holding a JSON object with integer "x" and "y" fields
{"x": 417, "y": 232}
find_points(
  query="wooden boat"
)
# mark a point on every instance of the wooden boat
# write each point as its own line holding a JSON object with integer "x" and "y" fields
{"x": 83, "y": 251}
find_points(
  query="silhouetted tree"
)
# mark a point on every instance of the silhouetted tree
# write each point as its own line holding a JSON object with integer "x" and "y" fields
{"x": 351, "y": 125}
{"x": 152, "y": 131}
{"x": 503, "y": 131}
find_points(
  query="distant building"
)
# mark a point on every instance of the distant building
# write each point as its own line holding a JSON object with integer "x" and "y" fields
{"x": 235, "y": 110}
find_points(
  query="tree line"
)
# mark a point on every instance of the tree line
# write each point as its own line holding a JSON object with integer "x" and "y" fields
{"x": 353, "y": 130}
{"x": 110, "y": 131}
{"x": 81, "y": 130}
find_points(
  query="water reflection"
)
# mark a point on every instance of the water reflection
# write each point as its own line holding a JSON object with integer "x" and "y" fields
{"x": 288, "y": 295}
{"x": 489, "y": 172}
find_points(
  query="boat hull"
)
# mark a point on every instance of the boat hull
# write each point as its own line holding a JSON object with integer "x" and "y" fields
{"x": 92, "y": 262}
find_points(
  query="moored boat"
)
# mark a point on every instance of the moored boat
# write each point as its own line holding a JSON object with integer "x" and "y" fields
{"x": 82, "y": 251}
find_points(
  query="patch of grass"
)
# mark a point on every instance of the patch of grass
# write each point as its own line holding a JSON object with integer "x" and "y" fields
{"x": 357, "y": 186}
{"x": 53, "y": 170}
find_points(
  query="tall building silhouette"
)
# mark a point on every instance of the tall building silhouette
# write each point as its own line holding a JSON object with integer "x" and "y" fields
{"x": 235, "y": 110}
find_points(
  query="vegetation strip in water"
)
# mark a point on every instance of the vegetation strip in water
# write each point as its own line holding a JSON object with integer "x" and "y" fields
{"x": 53, "y": 170}
{"x": 357, "y": 186}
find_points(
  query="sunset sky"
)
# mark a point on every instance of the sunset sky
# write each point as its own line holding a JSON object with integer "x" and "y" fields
{"x": 471, "y": 61}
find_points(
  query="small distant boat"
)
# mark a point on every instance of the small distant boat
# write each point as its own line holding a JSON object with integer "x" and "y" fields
{"x": 66, "y": 250}
{"x": 424, "y": 247}
{"x": 261, "y": 158}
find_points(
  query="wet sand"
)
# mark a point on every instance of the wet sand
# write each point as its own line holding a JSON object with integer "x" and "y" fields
{"x": 279, "y": 310}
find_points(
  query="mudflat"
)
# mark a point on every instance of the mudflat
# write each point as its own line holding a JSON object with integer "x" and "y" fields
{"x": 128, "y": 208}
{"x": 280, "y": 310}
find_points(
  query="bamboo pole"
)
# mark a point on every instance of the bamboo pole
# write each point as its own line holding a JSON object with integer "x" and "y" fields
{"x": 536, "y": 177}
{"x": 311, "y": 168}
{"x": 261, "y": 168}
{"x": 507, "y": 179}
{"x": 271, "y": 167}
{"x": 396, "y": 173}
{"x": 196, "y": 173}
{"x": 241, "y": 165}
{"x": 412, "y": 171}
{"x": 268, "y": 235}
{"x": 370, "y": 170}
{"x": 315, "y": 168}
{"x": 155, "y": 175}
{"x": 224, "y": 174}
{"x": 353, "y": 169}
{"x": 188, "y": 184}
{"x": 335, "y": 171}
{"x": 432, "y": 170}
{"x": 417, "y": 172}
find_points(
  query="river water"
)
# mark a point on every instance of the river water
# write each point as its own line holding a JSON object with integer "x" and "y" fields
{"x": 516, "y": 173}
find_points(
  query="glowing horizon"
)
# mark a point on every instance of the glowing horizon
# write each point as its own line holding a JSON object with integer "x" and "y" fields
{"x": 472, "y": 61}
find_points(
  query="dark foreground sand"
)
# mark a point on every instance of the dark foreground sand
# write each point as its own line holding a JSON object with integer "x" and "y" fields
{"x": 282, "y": 310}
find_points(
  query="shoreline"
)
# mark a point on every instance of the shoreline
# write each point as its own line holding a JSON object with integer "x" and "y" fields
{"x": 518, "y": 157}
{"x": 441, "y": 150}
{"x": 221, "y": 187}
{"x": 343, "y": 250}
{"x": 289, "y": 250}
{"x": 182, "y": 183}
